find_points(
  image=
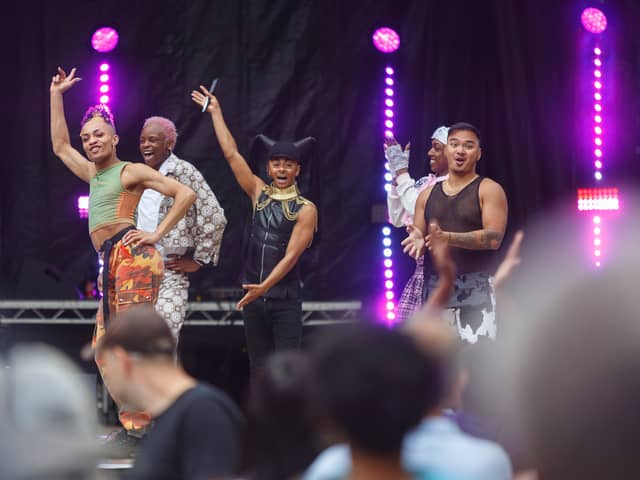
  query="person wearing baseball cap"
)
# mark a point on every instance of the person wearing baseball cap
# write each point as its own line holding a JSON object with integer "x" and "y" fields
{"x": 401, "y": 202}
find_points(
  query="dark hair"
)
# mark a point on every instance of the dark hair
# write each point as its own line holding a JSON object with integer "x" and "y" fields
{"x": 139, "y": 330}
{"x": 282, "y": 416}
{"x": 100, "y": 110}
{"x": 376, "y": 385}
{"x": 465, "y": 126}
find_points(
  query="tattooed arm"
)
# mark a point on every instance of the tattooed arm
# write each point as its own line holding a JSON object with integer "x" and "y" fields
{"x": 493, "y": 203}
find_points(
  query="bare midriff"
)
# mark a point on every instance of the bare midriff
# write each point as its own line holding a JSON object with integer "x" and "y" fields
{"x": 105, "y": 233}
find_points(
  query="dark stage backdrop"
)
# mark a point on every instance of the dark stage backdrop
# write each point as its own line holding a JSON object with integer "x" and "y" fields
{"x": 296, "y": 68}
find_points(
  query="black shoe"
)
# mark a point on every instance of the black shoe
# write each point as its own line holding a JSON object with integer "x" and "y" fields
{"x": 119, "y": 444}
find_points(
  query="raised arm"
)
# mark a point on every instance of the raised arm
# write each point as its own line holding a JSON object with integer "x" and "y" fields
{"x": 250, "y": 183}
{"x": 493, "y": 202}
{"x": 138, "y": 177}
{"x": 300, "y": 239}
{"x": 60, "y": 140}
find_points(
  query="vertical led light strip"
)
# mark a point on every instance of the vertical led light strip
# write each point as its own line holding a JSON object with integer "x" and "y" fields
{"x": 104, "y": 86}
{"x": 598, "y": 147}
{"x": 597, "y": 200}
{"x": 387, "y": 252}
{"x": 387, "y": 40}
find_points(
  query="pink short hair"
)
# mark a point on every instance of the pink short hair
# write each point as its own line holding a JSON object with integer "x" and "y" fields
{"x": 168, "y": 127}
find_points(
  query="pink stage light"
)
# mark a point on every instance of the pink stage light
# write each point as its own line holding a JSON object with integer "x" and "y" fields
{"x": 597, "y": 62}
{"x": 389, "y": 71}
{"x": 83, "y": 206}
{"x": 597, "y": 141}
{"x": 388, "y": 81}
{"x": 597, "y": 73}
{"x": 104, "y": 99}
{"x": 598, "y": 199}
{"x": 597, "y": 107}
{"x": 104, "y": 67}
{"x": 104, "y": 77}
{"x": 391, "y": 316}
{"x": 597, "y": 118}
{"x": 597, "y": 176}
{"x": 104, "y": 39}
{"x": 388, "y": 284}
{"x": 390, "y": 305}
{"x": 389, "y": 295}
{"x": 386, "y": 39}
{"x": 388, "y": 123}
{"x": 597, "y": 84}
{"x": 386, "y": 241}
{"x": 597, "y": 51}
{"x": 598, "y": 130}
{"x": 598, "y": 164}
{"x": 388, "y": 102}
{"x": 597, "y": 96}
{"x": 597, "y": 152}
{"x": 388, "y": 263}
{"x": 593, "y": 20}
{"x": 387, "y": 252}
{"x": 388, "y": 133}
{"x": 104, "y": 88}
{"x": 388, "y": 112}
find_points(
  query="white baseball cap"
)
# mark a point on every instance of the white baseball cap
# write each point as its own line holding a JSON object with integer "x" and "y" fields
{"x": 441, "y": 134}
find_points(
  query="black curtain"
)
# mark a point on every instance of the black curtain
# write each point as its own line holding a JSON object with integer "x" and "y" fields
{"x": 295, "y": 68}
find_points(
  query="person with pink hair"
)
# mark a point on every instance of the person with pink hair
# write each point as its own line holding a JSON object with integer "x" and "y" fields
{"x": 195, "y": 240}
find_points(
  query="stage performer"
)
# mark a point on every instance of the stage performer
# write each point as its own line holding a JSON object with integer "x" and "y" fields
{"x": 283, "y": 226}
{"x": 471, "y": 212}
{"x": 401, "y": 203}
{"x": 195, "y": 240}
{"x": 132, "y": 268}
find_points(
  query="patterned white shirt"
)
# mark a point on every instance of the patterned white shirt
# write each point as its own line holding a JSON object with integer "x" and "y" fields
{"x": 200, "y": 229}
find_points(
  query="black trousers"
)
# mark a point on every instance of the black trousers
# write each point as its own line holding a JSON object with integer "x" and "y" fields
{"x": 270, "y": 325}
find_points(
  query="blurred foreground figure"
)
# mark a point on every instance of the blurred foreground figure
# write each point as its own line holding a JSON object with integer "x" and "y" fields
{"x": 197, "y": 428}
{"x": 574, "y": 359}
{"x": 376, "y": 385}
{"x": 48, "y": 422}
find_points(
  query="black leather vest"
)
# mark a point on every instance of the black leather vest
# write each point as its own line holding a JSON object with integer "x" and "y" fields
{"x": 273, "y": 222}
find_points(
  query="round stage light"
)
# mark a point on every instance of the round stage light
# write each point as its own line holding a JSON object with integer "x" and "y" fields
{"x": 104, "y": 39}
{"x": 593, "y": 20}
{"x": 386, "y": 39}
{"x": 104, "y": 99}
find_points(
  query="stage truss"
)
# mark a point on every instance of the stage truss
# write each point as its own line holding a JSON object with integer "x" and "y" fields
{"x": 82, "y": 312}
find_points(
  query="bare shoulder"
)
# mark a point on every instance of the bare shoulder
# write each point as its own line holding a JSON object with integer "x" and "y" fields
{"x": 490, "y": 188}
{"x": 425, "y": 194}
{"x": 134, "y": 174}
{"x": 308, "y": 207}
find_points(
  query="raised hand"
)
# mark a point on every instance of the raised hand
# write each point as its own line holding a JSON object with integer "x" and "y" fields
{"x": 436, "y": 236}
{"x": 200, "y": 96}
{"x": 438, "y": 245}
{"x": 510, "y": 262}
{"x": 413, "y": 245}
{"x": 61, "y": 82}
{"x": 398, "y": 159}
